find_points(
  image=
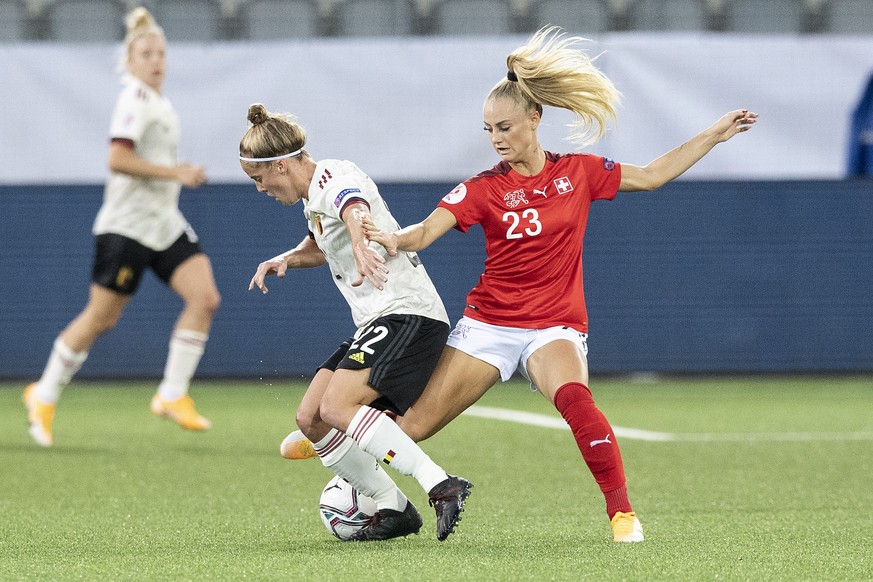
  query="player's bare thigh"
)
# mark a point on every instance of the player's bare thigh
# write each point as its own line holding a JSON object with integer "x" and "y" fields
{"x": 555, "y": 364}
{"x": 308, "y": 417}
{"x": 458, "y": 381}
{"x": 345, "y": 393}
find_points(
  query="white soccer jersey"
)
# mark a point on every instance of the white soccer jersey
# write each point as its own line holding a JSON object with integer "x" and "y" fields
{"x": 409, "y": 290}
{"x": 145, "y": 210}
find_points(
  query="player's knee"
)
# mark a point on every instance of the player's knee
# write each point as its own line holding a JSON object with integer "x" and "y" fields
{"x": 206, "y": 303}
{"x": 572, "y": 392}
{"x": 330, "y": 411}
{"x": 213, "y": 301}
{"x": 308, "y": 421}
{"x": 415, "y": 429}
{"x": 102, "y": 322}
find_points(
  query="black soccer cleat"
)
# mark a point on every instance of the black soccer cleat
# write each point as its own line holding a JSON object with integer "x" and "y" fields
{"x": 390, "y": 523}
{"x": 447, "y": 498}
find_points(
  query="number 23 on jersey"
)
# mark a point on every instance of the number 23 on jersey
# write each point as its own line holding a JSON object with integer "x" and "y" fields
{"x": 520, "y": 224}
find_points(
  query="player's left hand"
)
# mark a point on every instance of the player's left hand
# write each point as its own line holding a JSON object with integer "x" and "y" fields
{"x": 371, "y": 266}
{"x": 732, "y": 123}
{"x": 191, "y": 175}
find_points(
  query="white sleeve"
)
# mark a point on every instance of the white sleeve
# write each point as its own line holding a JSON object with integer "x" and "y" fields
{"x": 130, "y": 116}
{"x": 340, "y": 191}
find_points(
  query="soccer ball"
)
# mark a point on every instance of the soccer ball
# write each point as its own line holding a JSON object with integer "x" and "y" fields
{"x": 343, "y": 509}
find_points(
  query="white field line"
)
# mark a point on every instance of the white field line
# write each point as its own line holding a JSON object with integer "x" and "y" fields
{"x": 542, "y": 420}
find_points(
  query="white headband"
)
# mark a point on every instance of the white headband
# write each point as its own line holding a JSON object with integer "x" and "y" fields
{"x": 274, "y": 158}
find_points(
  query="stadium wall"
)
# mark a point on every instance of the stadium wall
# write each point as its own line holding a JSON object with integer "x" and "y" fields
{"x": 410, "y": 109}
{"x": 700, "y": 276}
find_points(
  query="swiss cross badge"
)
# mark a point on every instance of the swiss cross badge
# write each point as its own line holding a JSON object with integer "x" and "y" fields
{"x": 563, "y": 185}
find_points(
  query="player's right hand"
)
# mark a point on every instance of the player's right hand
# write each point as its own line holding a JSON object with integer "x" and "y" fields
{"x": 274, "y": 265}
{"x": 375, "y": 234}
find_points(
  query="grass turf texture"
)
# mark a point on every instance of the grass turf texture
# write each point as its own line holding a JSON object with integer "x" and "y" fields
{"x": 124, "y": 495}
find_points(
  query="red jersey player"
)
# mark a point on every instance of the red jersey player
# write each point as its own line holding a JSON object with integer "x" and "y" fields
{"x": 534, "y": 226}
{"x": 527, "y": 312}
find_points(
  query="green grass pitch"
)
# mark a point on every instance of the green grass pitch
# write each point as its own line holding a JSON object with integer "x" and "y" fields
{"x": 752, "y": 479}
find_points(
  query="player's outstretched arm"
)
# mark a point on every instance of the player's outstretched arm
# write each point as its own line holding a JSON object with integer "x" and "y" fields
{"x": 414, "y": 237}
{"x": 304, "y": 255}
{"x": 678, "y": 160}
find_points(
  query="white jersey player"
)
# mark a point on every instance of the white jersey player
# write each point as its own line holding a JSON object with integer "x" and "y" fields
{"x": 139, "y": 227}
{"x": 338, "y": 184}
{"x": 144, "y": 209}
{"x": 401, "y": 326}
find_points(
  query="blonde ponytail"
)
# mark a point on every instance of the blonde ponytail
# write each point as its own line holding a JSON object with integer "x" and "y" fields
{"x": 550, "y": 70}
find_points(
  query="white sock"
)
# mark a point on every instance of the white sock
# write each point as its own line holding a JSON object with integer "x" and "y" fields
{"x": 343, "y": 456}
{"x": 62, "y": 365}
{"x": 186, "y": 349}
{"x": 381, "y": 437}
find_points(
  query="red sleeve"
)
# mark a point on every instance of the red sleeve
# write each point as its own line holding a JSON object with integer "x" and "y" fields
{"x": 604, "y": 176}
{"x": 462, "y": 203}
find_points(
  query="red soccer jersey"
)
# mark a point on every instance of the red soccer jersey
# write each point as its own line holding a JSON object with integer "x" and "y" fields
{"x": 534, "y": 227}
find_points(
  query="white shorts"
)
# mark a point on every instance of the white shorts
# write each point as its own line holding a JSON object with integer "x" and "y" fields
{"x": 508, "y": 348}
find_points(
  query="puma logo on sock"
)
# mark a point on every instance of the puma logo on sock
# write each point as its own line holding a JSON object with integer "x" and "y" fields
{"x": 601, "y": 441}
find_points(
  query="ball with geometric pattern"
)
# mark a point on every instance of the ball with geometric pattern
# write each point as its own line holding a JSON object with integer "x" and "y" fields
{"x": 343, "y": 509}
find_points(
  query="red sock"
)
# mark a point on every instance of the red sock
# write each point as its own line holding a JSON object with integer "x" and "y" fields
{"x": 596, "y": 441}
